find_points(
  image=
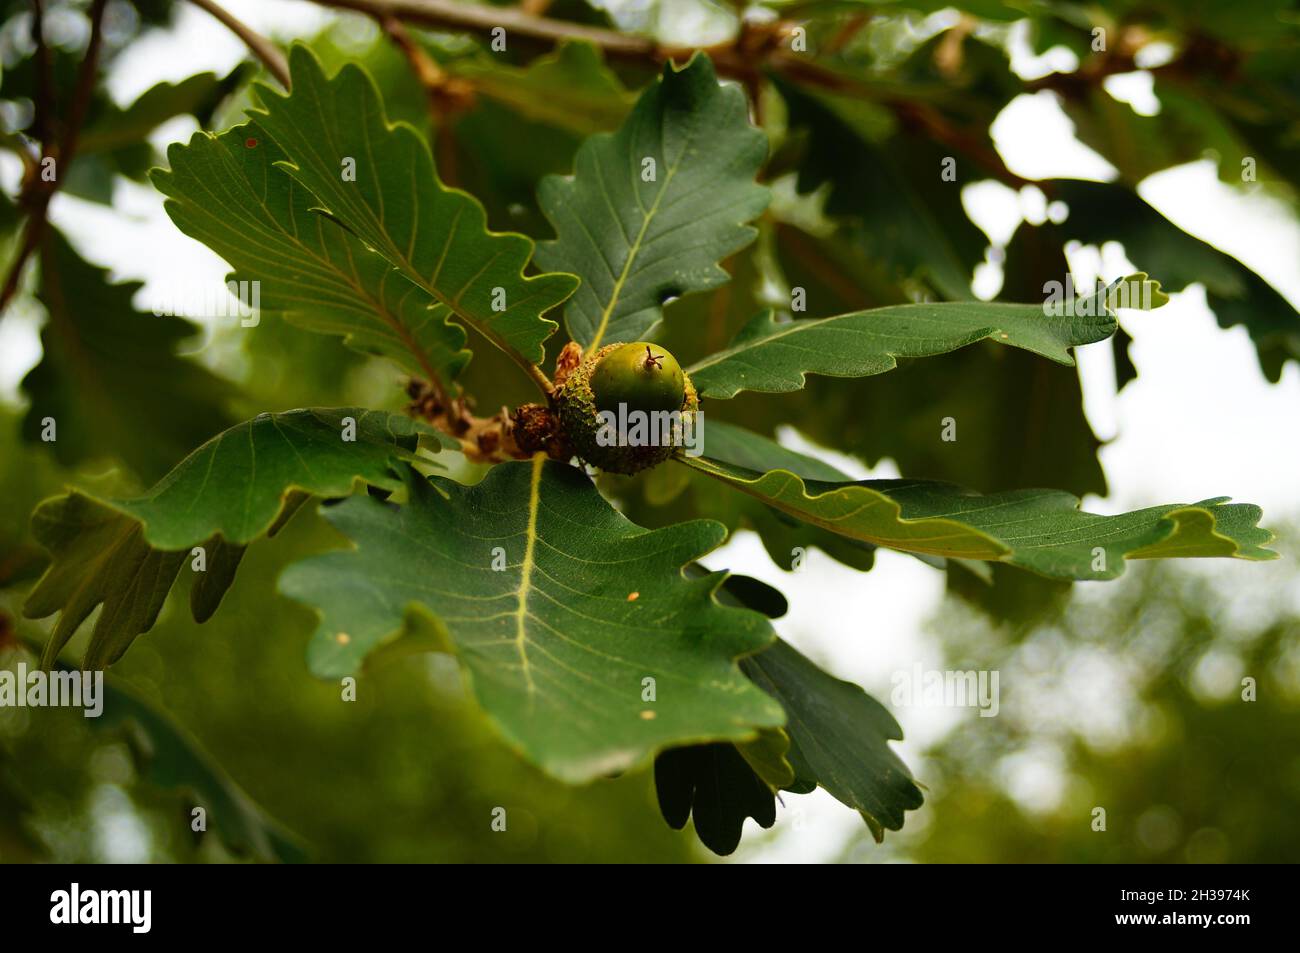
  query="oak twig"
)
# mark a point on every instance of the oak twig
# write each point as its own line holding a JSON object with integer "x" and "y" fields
{"x": 260, "y": 46}
{"x": 37, "y": 191}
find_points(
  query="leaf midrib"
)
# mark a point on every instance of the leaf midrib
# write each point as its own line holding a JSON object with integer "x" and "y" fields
{"x": 796, "y": 327}
{"x": 526, "y": 573}
{"x": 632, "y": 254}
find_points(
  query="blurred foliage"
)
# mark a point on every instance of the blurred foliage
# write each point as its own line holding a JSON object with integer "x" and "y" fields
{"x": 861, "y": 218}
{"x": 1131, "y": 702}
{"x": 408, "y": 772}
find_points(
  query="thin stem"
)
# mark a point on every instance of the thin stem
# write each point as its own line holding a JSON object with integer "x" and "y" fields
{"x": 429, "y": 74}
{"x": 444, "y": 94}
{"x": 484, "y": 19}
{"x": 540, "y": 378}
{"x": 37, "y": 192}
{"x": 757, "y": 49}
{"x": 44, "y": 103}
{"x": 261, "y": 47}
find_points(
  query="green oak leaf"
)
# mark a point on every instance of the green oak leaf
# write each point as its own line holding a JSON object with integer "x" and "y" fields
{"x": 638, "y": 234}
{"x": 228, "y": 192}
{"x": 839, "y": 737}
{"x": 781, "y": 532}
{"x": 1102, "y": 212}
{"x": 378, "y": 180}
{"x": 783, "y": 536}
{"x": 558, "y": 636}
{"x": 715, "y": 784}
{"x": 110, "y": 378}
{"x": 125, "y": 554}
{"x": 1040, "y": 530}
{"x": 836, "y": 736}
{"x": 774, "y": 356}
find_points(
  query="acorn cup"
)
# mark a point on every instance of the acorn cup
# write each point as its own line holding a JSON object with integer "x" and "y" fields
{"x": 627, "y": 407}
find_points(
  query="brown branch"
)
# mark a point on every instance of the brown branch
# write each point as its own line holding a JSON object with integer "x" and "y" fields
{"x": 759, "y": 48}
{"x": 446, "y": 93}
{"x": 36, "y": 191}
{"x": 430, "y": 74}
{"x": 260, "y": 46}
{"x": 474, "y": 18}
{"x": 44, "y": 102}
{"x": 845, "y": 34}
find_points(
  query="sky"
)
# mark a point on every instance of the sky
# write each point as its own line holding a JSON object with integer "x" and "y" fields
{"x": 1199, "y": 421}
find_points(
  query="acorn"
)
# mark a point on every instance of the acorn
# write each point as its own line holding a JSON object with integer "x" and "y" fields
{"x": 627, "y": 407}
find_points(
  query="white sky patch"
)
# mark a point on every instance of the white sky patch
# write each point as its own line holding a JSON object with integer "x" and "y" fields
{"x": 1137, "y": 89}
{"x": 1029, "y": 65}
{"x": 1036, "y": 141}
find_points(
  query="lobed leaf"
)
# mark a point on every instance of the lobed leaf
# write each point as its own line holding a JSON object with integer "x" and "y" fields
{"x": 1040, "y": 530}
{"x": 246, "y": 482}
{"x": 839, "y": 737}
{"x": 228, "y": 192}
{"x": 378, "y": 180}
{"x": 716, "y": 785}
{"x": 651, "y": 209}
{"x": 558, "y": 638}
{"x": 775, "y": 357}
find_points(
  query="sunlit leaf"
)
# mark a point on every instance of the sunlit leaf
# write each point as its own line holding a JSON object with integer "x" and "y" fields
{"x": 1040, "y": 530}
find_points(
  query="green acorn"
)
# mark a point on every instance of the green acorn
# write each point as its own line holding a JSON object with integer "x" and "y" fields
{"x": 616, "y": 408}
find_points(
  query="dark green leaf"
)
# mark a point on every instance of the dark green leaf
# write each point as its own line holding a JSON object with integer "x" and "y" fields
{"x": 558, "y": 639}
{"x": 436, "y": 236}
{"x": 227, "y": 192}
{"x": 839, "y": 737}
{"x": 639, "y": 234}
{"x": 717, "y": 786}
{"x": 240, "y": 485}
{"x": 775, "y": 356}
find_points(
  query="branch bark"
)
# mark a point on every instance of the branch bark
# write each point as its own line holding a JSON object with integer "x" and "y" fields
{"x": 756, "y": 50}
{"x": 37, "y": 192}
{"x": 260, "y": 46}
